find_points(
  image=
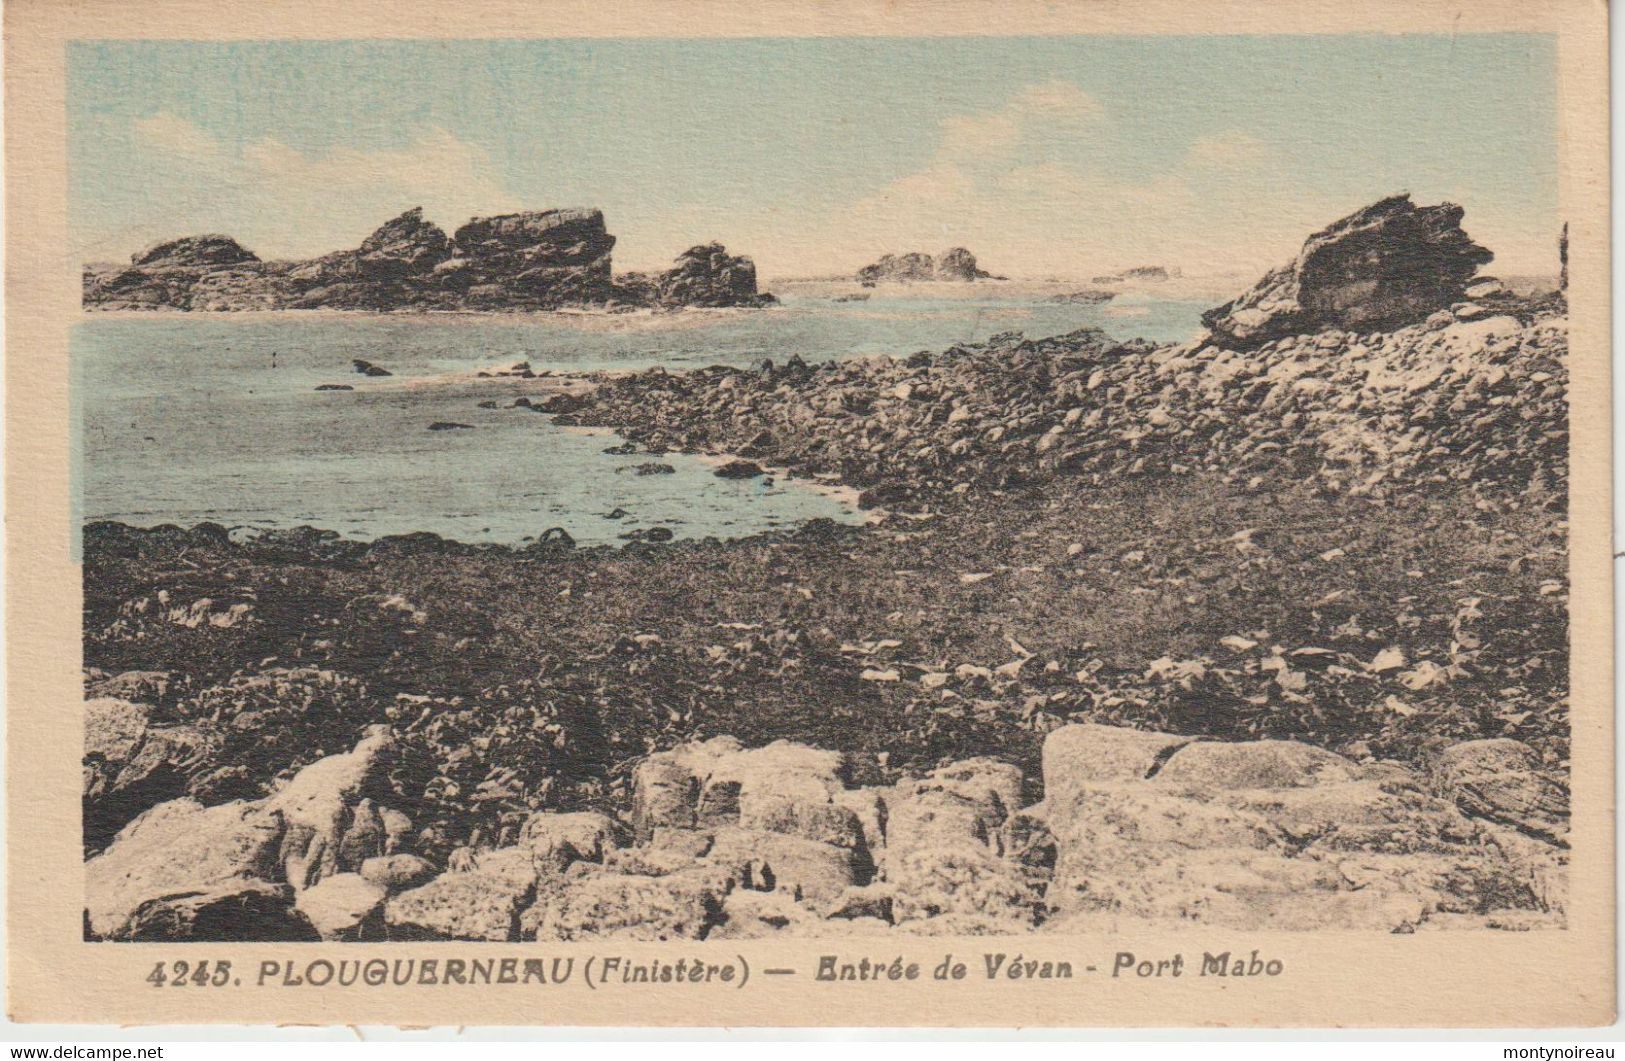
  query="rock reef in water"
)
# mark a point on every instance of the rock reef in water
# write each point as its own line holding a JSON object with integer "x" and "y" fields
{"x": 1154, "y": 274}
{"x": 954, "y": 264}
{"x": 1385, "y": 266}
{"x": 539, "y": 260}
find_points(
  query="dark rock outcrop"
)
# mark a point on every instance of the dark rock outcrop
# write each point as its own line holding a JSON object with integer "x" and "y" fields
{"x": 954, "y": 264}
{"x": 707, "y": 275}
{"x": 195, "y": 251}
{"x": 957, "y": 263}
{"x": 532, "y": 260}
{"x": 406, "y": 246}
{"x": 538, "y": 260}
{"x": 187, "y": 273}
{"x": 1383, "y": 267}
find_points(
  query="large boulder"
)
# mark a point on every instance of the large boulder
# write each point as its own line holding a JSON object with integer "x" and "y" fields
{"x": 809, "y": 870}
{"x": 344, "y": 907}
{"x": 479, "y": 903}
{"x": 176, "y": 852}
{"x": 557, "y": 840}
{"x": 249, "y": 912}
{"x": 1383, "y": 267}
{"x": 1254, "y": 764}
{"x": 331, "y": 822}
{"x": 182, "y": 864}
{"x": 711, "y": 783}
{"x": 944, "y": 852}
{"x": 599, "y": 905}
{"x": 1152, "y": 828}
{"x": 1502, "y": 780}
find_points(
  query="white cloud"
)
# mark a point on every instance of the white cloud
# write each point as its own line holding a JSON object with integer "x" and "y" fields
{"x": 284, "y": 202}
{"x": 176, "y": 136}
{"x": 1047, "y": 108}
{"x": 1020, "y": 186}
{"x": 1231, "y": 148}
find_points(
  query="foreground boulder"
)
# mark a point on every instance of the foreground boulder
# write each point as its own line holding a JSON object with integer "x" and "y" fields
{"x": 1388, "y": 265}
{"x": 1160, "y": 829}
{"x": 1503, "y": 780}
{"x": 187, "y": 859}
{"x": 330, "y": 823}
{"x": 481, "y": 902}
{"x": 241, "y": 870}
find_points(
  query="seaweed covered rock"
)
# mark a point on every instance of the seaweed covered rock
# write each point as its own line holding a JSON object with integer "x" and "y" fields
{"x": 1385, "y": 266}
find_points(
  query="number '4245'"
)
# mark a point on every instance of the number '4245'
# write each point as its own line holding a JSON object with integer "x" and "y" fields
{"x": 182, "y": 974}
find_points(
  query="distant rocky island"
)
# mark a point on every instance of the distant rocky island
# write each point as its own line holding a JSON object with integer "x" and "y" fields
{"x": 542, "y": 260}
{"x": 956, "y": 264}
{"x": 1155, "y": 274}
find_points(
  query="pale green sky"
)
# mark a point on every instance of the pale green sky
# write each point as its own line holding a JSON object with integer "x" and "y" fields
{"x": 1068, "y": 155}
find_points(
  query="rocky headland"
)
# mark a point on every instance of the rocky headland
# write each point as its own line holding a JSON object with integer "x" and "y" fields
{"x": 536, "y": 261}
{"x": 1259, "y": 632}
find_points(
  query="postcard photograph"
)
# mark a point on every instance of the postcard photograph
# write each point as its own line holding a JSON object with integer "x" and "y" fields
{"x": 847, "y": 490}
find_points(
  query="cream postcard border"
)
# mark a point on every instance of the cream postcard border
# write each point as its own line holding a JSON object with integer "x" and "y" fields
{"x": 1551, "y": 978}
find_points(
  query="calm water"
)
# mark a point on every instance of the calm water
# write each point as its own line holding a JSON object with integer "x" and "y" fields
{"x": 186, "y": 418}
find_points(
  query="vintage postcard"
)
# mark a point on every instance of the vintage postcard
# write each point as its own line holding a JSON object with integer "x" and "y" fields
{"x": 779, "y": 514}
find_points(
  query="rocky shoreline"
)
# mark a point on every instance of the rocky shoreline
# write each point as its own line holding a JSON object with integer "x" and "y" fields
{"x": 1271, "y": 637}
